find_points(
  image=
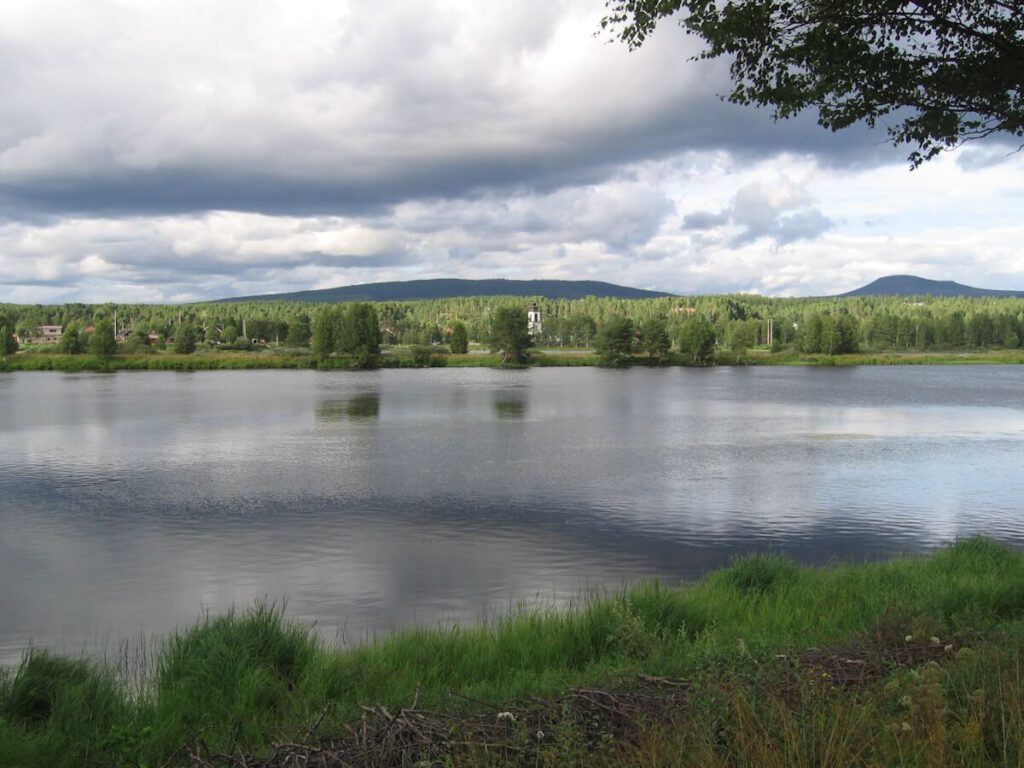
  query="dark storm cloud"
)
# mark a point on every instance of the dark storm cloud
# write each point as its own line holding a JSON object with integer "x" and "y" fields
{"x": 588, "y": 159}
{"x": 705, "y": 219}
{"x": 376, "y": 260}
{"x": 992, "y": 153}
{"x": 432, "y": 122}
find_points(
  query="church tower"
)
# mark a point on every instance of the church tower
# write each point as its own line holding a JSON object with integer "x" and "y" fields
{"x": 533, "y": 324}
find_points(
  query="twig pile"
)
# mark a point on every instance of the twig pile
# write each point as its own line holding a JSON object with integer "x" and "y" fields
{"x": 862, "y": 664}
{"x": 588, "y": 718}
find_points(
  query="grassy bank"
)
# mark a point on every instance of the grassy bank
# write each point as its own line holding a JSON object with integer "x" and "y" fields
{"x": 211, "y": 361}
{"x": 910, "y": 662}
{"x": 164, "y": 361}
{"x": 981, "y": 357}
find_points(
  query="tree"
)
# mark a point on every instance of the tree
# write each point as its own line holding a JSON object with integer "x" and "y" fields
{"x": 351, "y": 330}
{"x": 697, "y": 341}
{"x": 101, "y": 342}
{"x": 137, "y": 342}
{"x": 614, "y": 343}
{"x": 359, "y": 335}
{"x": 948, "y": 71}
{"x": 510, "y": 335}
{"x": 583, "y": 329}
{"x": 459, "y": 343}
{"x": 71, "y": 341}
{"x": 298, "y": 332}
{"x": 654, "y": 338}
{"x": 323, "y": 332}
{"x": 844, "y": 338}
{"x": 741, "y": 336}
{"x": 8, "y": 344}
{"x": 185, "y": 339}
{"x": 812, "y": 334}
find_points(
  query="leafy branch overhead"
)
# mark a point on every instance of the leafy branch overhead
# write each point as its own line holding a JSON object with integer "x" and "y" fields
{"x": 947, "y": 71}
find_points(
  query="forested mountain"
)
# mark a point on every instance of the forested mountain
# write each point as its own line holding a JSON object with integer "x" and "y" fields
{"x": 909, "y": 285}
{"x": 448, "y": 288}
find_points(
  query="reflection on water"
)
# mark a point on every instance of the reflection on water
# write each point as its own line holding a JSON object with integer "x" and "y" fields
{"x": 131, "y": 502}
{"x": 508, "y": 406}
{"x": 364, "y": 406}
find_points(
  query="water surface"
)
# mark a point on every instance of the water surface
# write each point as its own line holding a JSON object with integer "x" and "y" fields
{"x": 131, "y": 502}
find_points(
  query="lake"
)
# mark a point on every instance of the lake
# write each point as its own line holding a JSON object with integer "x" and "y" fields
{"x": 132, "y": 502}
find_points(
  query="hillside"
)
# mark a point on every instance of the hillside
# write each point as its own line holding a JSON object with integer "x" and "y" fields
{"x": 412, "y": 290}
{"x": 909, "y": 285}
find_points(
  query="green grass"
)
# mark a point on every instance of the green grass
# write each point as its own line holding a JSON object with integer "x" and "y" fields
{"x": 405, "y": 358}
{"x": 242, "y": 680}
{"x": 981, "y": 357}
{"x": 165, "y": 361}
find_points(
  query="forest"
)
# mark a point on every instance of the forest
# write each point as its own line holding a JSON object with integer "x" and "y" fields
{"x": 733, "y": 323}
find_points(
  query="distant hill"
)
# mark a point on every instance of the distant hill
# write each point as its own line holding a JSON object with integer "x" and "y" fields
{"x": 446, "y": 288}
{"x": 909, "y": 285}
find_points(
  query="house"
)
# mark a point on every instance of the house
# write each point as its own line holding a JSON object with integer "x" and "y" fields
{"x": 46, "y": 334}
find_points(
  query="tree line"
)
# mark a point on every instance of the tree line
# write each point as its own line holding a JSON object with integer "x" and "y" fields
{"x": 694, "y": 327}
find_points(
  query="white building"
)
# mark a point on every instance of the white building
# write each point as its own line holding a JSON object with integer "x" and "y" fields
{"x": 533, "y": 324}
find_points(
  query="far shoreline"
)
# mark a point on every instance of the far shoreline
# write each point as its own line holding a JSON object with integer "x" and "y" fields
{"x": 281, "y": 359}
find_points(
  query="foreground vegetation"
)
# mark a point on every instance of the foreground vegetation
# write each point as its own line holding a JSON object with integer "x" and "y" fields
{"x": 910, "y": 662}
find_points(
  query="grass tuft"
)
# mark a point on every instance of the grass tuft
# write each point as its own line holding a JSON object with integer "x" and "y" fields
{"x": 46, "y": 686}
{"x": 233, "y": 677}
{"x": 758, "y": 575}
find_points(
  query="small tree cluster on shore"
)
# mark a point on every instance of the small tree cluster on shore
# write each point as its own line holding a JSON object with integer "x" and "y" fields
{"x": 101, "y": 341}
{"x": 510, "y": 336}
{"x": 348, "y": 330}
{"x": 459, "y": 342}
{"x": 614, "y": 343}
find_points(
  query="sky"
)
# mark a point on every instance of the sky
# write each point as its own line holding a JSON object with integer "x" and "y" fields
{"x": 175, "y": 152}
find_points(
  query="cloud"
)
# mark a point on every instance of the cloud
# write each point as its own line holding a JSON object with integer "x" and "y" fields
{"x": 995, "y": 151}
{"x": 781, "y": 226}
{"x": 205, "y": 150}
{"x": 706, "y": 219}
{"x": 328, "y": 109}
{"x": 781, "y": 212}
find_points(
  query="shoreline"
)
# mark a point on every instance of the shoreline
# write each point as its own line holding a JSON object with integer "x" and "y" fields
{"x": 763, "y": 662}
{"x": 271, "y": 359}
